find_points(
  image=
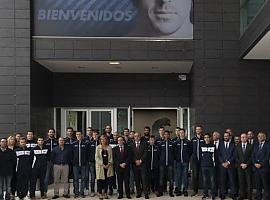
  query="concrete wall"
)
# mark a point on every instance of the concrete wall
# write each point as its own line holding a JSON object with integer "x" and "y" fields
{"x": 14, "y": 66}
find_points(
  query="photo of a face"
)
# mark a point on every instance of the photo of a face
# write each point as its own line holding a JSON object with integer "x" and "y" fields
{"x": 166, "y": 16}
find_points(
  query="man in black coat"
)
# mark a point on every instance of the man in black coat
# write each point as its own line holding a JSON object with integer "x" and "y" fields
{"x": 261, "y": 153}
{"x": 243, "y": 158}
{"x": 8, "y": 161}
{"x": 121, "y": 158}
{"x": 139, "y": 151}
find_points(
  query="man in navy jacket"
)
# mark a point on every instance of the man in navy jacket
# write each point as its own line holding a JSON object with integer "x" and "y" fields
{"x": 166, "y": 164}
{"x": 227, "y": 164}
{"x": 261, "y": 164}
{"x": 79, "y": 161}
{"x": 182, "y": 154}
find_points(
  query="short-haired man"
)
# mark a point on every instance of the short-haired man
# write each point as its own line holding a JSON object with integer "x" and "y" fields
{"x": 243, "y": 158}
{"x": 50, "y": 143}
{"x": 182, "y": 151}
{"x": 166, "y": 164}
{"x": 261, "y": 154}
{"x": 30, "y": 140}
{"x": 40, "y": 156}
{"x": 61, "y": 158}
{"x": 23, "y": 168}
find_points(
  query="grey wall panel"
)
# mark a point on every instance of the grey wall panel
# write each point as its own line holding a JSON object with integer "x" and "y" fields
{"x": 14, "y": 82}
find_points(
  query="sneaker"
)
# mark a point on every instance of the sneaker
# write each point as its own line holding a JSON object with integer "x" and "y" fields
{"x": 204, "y": 196}
{"x": 194, "y": 194}
{"x": 92, "y": 194}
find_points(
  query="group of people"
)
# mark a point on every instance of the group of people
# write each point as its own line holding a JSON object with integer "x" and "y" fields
{"x": 230, "y": 165}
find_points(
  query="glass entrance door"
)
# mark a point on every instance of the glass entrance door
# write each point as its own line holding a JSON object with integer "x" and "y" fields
{"x": 77, "y": 119}
{"x": 99, "y": 118}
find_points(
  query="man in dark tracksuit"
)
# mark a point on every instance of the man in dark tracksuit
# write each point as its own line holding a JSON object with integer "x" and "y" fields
{"x": 92, "y": 163}
{"x": 166, "y": 164}
{"x": 50, "y": 143}
{"x": 153, "y": 164}
{"x": 197, "y": 141}
{"x": 182, "y": 154}
{"x": 79, "y": 161}
{"x": 40, "y": 155}
{"x": 227, "y": 165}
{"x": 208, "y": 167}
{"x": 23, "y": 168}
{"x": 261, "y": 153}
{"x": 30, "y": 141}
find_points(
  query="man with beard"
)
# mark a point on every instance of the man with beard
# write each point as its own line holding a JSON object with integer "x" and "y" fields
{"x": 146, "y": 136}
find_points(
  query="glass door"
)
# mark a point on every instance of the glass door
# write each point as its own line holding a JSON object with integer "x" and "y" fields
{"x": 77, "y": 119}
{"x": 99, "y": 118}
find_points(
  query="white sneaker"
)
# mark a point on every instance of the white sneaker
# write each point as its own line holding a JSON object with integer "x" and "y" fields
{"x": 86, "y": 192}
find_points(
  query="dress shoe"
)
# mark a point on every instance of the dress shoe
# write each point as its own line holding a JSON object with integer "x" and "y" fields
{"x": 146, "y": 196}
{"x": 55, "y": 197}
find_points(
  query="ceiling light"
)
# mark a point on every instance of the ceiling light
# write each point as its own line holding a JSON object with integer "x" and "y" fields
{"x": 114, "y": 63}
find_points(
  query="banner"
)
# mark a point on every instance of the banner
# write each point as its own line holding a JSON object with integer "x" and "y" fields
{"x": 114, "y": 18}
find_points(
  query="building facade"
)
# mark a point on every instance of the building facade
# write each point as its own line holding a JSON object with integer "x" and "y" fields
{"x": 45, "y": 81}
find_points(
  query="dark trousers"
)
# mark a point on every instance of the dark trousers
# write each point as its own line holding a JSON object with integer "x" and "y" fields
{"x": 5, "y": 181}
{"x": 102, "y": 184}
{"x": 245, "y": 185}
{"x": 153, "y": 179}
{"x": 79, "y": 171}
{"x": 181, "y": 174}
{"x": 165, "y": 171}
{"x": 225, "y": 175}
{"x": 217, "y": 179}
{"x": 196, "y": 170}
{"x": 140, "y": 180}
{"x": 123, "y": 178}
{"x": 38, "y": 172}
{"x": 208, "y": 180}
{"x": 23, "y": 178}
{"x": 90, "y": 176}
{"x": 14, "y": 182}
{"x": 262, "y": 183}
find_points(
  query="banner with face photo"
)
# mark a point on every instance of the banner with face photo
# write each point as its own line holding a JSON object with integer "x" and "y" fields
{"x": 114, "y": 18}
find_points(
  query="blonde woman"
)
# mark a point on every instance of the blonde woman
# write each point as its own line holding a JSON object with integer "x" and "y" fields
{"x": 11, "y": 144}
{"x": 104, "y": 166}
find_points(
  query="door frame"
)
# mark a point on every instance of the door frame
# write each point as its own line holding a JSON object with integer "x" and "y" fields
{"x": 179, "y": 110}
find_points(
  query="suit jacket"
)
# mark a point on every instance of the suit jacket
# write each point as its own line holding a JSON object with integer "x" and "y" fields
{"x": 261, "y": 156}
{"x": 241, "y": 157}
{"x": 141, "y": 154}
{"x": 226, "y": 154}
{"x": 119, "y": 159}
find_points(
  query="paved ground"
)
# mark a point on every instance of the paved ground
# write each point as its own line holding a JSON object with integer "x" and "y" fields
{"x": 114, "y": 196}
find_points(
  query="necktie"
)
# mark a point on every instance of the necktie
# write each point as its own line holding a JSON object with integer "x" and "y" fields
{"x": 226, "y": 145}
{"x": 244, "y": 148}
{"x": 260, "y": 147}
{"x": 137, "y": 147}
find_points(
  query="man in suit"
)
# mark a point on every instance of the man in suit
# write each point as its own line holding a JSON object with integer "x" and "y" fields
{"x": 121, "y": 157}
{"x": 139, "y": 149}
{"x": 227, "y": 164}
{"x": 216, "y": 142}
{"x": 261, "y": 163}
{"x": 243, "y": 158}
